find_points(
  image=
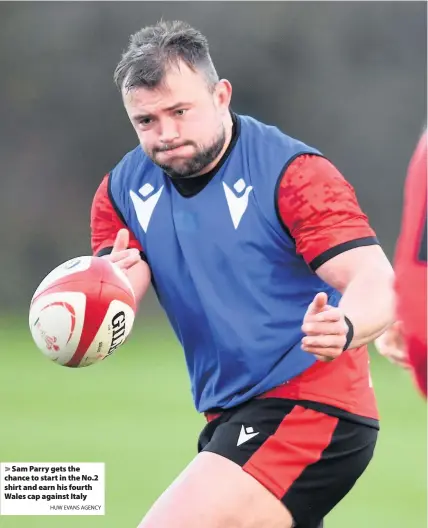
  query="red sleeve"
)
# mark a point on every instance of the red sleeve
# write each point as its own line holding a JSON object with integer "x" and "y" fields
{"x": 320, "y": 210}
{"x": 106, "y": 222}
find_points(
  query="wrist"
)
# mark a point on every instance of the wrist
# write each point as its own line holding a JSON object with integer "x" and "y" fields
{"x": 350, "y": 333}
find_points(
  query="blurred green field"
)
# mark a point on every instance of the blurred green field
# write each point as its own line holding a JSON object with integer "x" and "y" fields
{"x": 134, "y": 412}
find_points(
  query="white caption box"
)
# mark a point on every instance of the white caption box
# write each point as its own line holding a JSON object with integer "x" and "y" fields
{"x": 52, "y": 488}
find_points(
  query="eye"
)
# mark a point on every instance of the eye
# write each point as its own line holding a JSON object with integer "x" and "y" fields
{"x": 180, "y": 112}
{"x": 145, "y": 121}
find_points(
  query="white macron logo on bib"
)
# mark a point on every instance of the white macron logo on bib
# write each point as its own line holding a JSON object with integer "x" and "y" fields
{"x": 145, "y": 206}
{"x": 237, "y": 204}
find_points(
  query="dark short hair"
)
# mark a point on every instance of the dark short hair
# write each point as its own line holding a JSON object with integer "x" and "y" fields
{"x": 154, "y": 49}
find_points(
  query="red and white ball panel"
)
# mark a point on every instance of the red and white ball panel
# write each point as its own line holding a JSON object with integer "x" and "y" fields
{"x": 82, "y": 311}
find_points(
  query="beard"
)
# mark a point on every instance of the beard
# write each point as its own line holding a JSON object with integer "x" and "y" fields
{"x": 192, "y": 167}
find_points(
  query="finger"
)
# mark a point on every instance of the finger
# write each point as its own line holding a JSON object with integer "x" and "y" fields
{"x": 400, "y": 362}
{"x": 325, "y": 354}
{"x": 324, "y": 341}
{"x": 394, "y": 354}
{"x": 320, "y": 300}
{"x": 310, "y": 316}
{"x": 389, "y": 338}
{"x": 404, "y": 365}
{"x": 326, "y": 328}
{"x": 385, "y": 340}
{"x": 124, "y": 257}
{"x": 333, "y": 314}
{"x": 397, "y": 360}
{"x": 324, "y": 358}
{"x": 398, "y": 326}
{"x": 128, "y": 262}
{"x": 390, "y": 344}
{"x": 122, "y": 241}
{"x": 120, "y": 255}
{"x": 317, "y": 305}
{"x": 380, "y": 344}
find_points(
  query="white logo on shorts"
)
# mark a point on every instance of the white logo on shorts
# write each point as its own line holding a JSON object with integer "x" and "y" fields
{"x": 246, "y": 434}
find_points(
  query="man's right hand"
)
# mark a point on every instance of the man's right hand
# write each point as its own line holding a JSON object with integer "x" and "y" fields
{"x": 122, "y": 256}
{"x": 131, "y": 263}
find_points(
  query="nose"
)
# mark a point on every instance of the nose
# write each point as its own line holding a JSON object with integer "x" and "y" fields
{"x": 169, "y": 131}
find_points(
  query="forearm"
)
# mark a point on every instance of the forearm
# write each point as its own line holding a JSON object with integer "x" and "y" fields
{"x": 368, "y": 302}
{"x": 139, "y": 276}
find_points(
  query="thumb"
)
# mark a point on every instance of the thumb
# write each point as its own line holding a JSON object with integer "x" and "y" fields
{"x": 122, "y": 241}
{"x": 317, "y": 305}
{"x": 395, "y": 337}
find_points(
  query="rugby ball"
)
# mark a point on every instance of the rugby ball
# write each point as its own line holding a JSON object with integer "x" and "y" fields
{"x": 82, "y": 311}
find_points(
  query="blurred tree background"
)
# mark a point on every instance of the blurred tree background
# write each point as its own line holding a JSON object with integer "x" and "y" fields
{"x": 346, "y": 77}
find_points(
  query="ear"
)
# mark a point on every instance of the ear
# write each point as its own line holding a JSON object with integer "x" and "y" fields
{"x": 223, "y": 94}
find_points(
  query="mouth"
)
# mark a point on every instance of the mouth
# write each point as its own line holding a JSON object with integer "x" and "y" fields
{"x": 174, "y": 151}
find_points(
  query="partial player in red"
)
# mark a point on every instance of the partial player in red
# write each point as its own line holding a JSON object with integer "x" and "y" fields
{"x": 405, "y": 342}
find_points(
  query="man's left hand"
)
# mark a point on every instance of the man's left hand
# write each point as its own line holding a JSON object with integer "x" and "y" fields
{"x": 325, "y": 328}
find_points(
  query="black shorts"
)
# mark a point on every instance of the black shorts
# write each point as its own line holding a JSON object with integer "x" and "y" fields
{"x": 308, "y": 459}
